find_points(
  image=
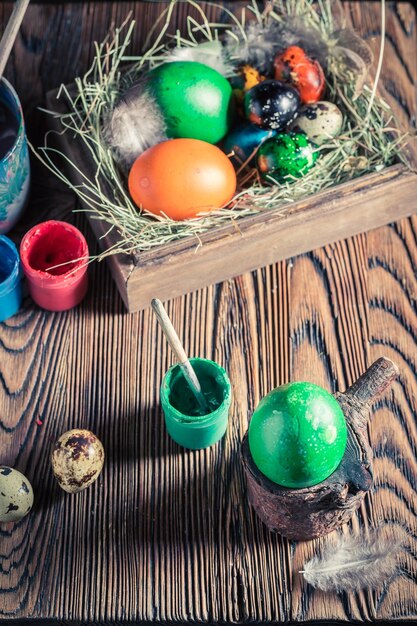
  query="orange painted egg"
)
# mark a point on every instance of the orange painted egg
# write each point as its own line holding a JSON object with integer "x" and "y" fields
{"x": 182, "y": 178}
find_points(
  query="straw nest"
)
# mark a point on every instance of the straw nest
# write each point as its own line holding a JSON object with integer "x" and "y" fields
{"x": 368, "y": 143}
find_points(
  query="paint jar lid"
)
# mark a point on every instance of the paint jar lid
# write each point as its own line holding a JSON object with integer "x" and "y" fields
{"x": 9, "y": 265}
{"x": 184, "y": 422}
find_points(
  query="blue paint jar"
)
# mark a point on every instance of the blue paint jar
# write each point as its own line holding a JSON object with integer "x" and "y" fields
{"x": 14, "y": 158}
{"x": 10, "y": 279}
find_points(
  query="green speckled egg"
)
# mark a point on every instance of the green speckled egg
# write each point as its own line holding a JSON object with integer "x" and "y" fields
{"x": 194, "y": 99}
{"x": 286, "y": 155}
{"x": 297, "y": 435}
{"x": 16, "y": 495}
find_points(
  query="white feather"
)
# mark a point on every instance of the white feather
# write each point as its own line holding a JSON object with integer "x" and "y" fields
{"x": 258, "y": 48}
{"x": 209, "y": 53}
{"x": 134, "y": 125}
{"x": 263, "y": 40}
{"x": 353, "y": 563}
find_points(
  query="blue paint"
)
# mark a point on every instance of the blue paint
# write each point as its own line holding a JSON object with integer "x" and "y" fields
{"x": 10, "y": 279}
{"x": 14, "y": 165}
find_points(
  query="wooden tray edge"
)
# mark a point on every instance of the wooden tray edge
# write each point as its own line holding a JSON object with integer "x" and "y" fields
{"x": 295, "y": 234}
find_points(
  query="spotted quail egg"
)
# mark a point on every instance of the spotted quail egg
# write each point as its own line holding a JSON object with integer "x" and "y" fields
{"x": 320, "y": 121}
{"x": 77, "y": 460}
{"x": 16, "y": 495}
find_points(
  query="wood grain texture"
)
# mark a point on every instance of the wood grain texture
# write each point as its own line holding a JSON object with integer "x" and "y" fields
{"x": 167, "y": 535}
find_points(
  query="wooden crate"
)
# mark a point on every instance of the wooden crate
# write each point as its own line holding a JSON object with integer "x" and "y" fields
{"x": 254, "y": 241}
{"x": 230, "y": 250}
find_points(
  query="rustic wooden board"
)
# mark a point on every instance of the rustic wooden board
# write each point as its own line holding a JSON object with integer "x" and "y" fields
{"x": 166, "y": 535}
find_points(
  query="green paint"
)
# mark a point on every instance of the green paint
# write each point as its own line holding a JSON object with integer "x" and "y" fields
{"x": 194, "y": 99}
{"x": 286, "y": 154}
{"x": 297, "y": 435}
{"x": 182, "y": 398}
{"x": 183, "y": 418}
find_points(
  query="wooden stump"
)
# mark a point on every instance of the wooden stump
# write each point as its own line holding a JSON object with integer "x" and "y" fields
{"x": 315, "y": 511}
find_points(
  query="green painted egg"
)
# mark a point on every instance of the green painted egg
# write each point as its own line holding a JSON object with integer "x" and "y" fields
{"x": 195, "y": 100}
{"x": 286, "y": 155}
{"x": 297, "y": 435}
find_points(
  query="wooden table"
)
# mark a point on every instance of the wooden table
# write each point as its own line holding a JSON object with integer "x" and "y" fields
{"x": 166, "y": 535}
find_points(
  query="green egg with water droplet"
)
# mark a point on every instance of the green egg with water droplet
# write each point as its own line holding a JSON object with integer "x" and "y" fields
{"x": 297, "y": 435}
{"x": 286, "y": 156}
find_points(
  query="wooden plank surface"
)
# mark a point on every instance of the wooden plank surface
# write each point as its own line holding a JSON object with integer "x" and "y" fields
{"x": 166, "y": 534}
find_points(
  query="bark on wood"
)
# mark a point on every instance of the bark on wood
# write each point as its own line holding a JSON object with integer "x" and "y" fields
{"x": 315, "y": 511}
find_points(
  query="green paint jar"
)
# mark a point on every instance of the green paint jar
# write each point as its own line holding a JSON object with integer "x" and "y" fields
{"x": 183, "y": 419}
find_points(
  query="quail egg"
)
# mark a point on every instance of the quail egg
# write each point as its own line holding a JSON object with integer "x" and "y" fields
{"x": 16, "y": 495}
{"x": 320, "y": 121}
{"x": 77, "y": 460}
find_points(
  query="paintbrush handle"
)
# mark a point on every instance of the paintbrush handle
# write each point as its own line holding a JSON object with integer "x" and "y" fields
{"x": 169, "y": 331}
{"x": 177, "y": 348}
{"x": 10, "y": 33}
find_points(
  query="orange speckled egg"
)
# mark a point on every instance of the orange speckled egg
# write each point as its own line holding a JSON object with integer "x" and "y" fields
{"x": 181, "y": 178}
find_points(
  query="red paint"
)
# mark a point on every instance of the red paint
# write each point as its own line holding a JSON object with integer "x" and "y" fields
{"x": 302, "y": 71}
{"x": 45, "y": 246}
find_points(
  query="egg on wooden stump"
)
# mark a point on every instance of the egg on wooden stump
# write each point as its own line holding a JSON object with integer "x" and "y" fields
{"x": 16, "y": 495}
{"x": 297, "y": 435}
{"x": 77, "y": 460}
{"x": 182, "y": 178}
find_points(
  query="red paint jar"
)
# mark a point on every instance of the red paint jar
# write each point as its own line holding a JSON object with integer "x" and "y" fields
{"x": 54, "y": 258}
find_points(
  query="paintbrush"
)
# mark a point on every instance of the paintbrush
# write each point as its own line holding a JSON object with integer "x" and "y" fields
{"x": 178, "y": 349}
{"x": 10, "y": 33}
